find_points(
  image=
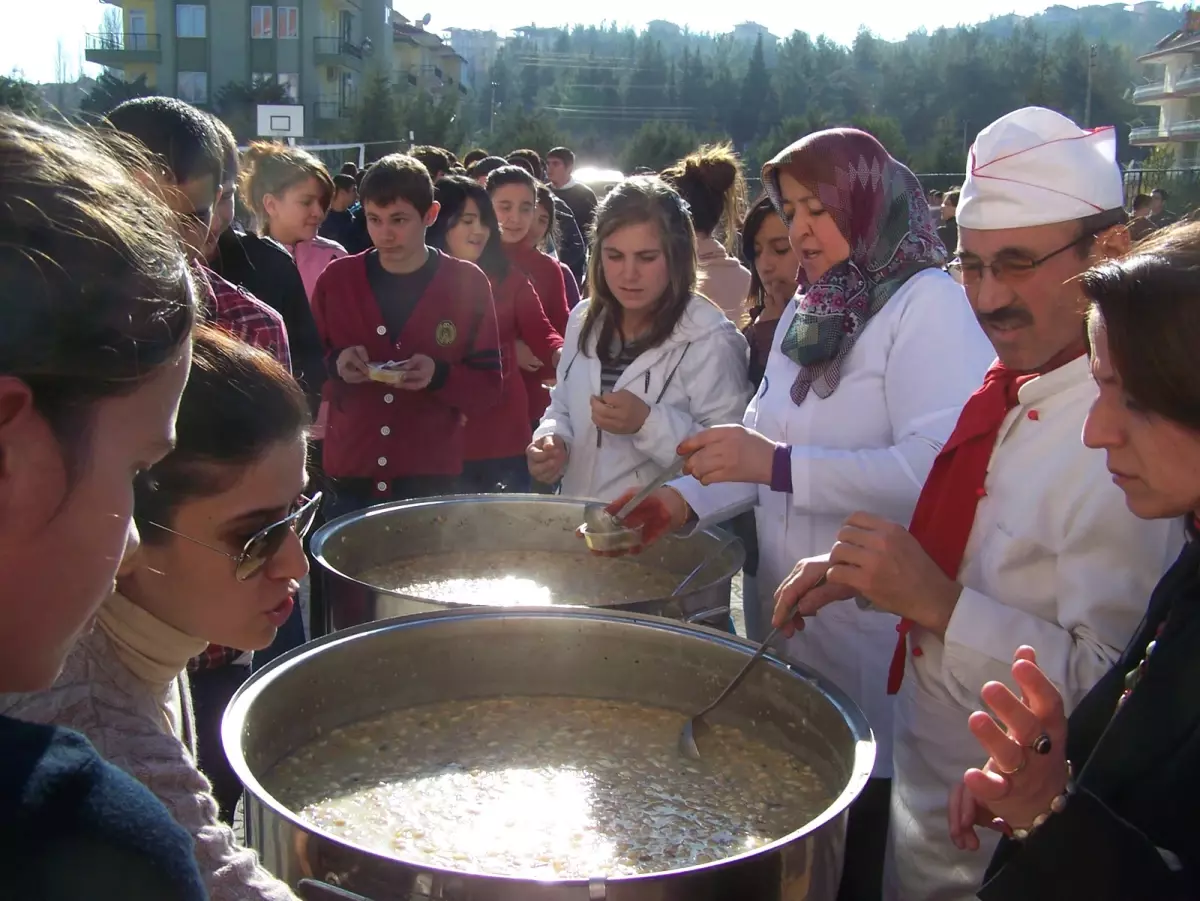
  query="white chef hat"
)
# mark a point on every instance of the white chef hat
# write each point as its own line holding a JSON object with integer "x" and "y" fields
{"x": 1034, "y": 167}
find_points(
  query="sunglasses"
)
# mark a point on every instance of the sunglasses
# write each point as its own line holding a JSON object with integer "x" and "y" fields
{"x": 265, "y": 543}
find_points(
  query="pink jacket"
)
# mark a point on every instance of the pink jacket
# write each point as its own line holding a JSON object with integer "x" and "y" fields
{"x": 312, "y": 257}
{"x": 721, "y": 278}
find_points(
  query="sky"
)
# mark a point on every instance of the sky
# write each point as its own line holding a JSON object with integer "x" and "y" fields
{"x": 31, "y": 30}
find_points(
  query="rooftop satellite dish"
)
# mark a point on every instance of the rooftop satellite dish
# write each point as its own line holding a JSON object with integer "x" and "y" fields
{"x": 425, "y": 19}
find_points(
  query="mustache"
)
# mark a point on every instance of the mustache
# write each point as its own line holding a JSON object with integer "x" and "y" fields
{"x": 1006, "y": 317}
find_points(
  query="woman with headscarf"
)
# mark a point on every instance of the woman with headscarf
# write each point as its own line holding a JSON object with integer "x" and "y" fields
{"x": 862, "y": 387}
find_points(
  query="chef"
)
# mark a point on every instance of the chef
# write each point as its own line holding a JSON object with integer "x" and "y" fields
{"x": 1019, "y": 536}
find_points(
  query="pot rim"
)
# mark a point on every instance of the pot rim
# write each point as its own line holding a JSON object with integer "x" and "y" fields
{"x": 236, "y": 712}
{"x": 330, "y": 529}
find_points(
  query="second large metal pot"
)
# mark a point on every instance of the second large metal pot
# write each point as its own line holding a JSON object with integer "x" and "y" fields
{"x": 353, "y": 544}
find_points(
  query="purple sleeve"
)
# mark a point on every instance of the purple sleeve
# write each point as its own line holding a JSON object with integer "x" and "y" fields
{"x": 781, "y": 469}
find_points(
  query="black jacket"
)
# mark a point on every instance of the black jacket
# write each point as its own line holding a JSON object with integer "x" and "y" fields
{"x": 75, "y": 828}
{"x": 572, "y": 249}
{"x": 1129, "y": 832}
{"x": 265, "y": 269}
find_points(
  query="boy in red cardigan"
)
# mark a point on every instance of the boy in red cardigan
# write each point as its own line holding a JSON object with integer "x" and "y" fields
{"x": 402, "y": 302}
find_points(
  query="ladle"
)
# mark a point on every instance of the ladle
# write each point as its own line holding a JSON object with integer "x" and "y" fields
{"x": 687, "y": 737}
{"x": 606, "y": 532}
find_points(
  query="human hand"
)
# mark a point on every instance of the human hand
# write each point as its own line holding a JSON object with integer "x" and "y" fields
{"x": 547, "y": 458}
{"x": 620, "y": 412}
{"x": 1017, "y": 784}
{"x": 526, "y": 359}
{"x": 418, "y": 372}
{"x": 803, "y": 593}
{"x": 728, "y": 453}
{"x": 662, "y": 512}
{"x": 964, "y": 813}
{"x": 884, "y": 563}
{"x": 352, "y": 365}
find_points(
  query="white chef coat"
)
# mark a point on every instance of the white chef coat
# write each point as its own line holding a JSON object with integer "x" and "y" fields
{"x": 697, "y": 378}
{"x": 1055, "y": 560}
{"x": 868, "y": 446}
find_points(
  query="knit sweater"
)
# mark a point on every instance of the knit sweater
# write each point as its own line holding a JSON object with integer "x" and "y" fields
{"x": 123, "y": 686}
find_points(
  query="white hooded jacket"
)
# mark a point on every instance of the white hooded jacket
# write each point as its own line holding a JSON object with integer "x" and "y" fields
{"x": 695, "y": 379}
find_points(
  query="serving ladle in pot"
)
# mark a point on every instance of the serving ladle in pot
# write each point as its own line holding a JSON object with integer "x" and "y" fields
{"x": 696, "y": 725}
{"x": 606, "y": 532}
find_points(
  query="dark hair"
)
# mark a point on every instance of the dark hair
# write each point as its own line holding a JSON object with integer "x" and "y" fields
{"x": 951, "y": 197}
{"x": 1150, "y": 307}
{"x": 534, "y": 159}
{"x": 342, "y": 182}
{"x": 486, "y": 166}
{"x": 1162, "y": 193}
{"x": 563, "y": 155}
{"x": 1140, "y": 201}
{"x": 634, "y": 201}
{"x": 452, "y": 193}
{"x": 238, "y": 404}
{"x": 229, "y": 149}
{"x": 96, "y": 293}
{"x": 271, "y": 168}
{"x": 349, "y": 168}
{"x": 755, "y": 217}
{"x": 1095, "y": 225}
{"x": 711, "y": 182}
{"x": 361, "y": 174}
{"x": 435, "y": 159}
{"x": 936, "y": 194}
{"x": 181, "y": 136}
{"x": 511, "y": 175}
{"x": 546, "y": 201}
{"x": 474, "y": 156}
{"x": 397, "y": 177}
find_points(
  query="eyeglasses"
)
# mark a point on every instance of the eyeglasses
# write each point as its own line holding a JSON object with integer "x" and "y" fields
{"x": 1009, "y": 267}
{"x": 265, "y": 543}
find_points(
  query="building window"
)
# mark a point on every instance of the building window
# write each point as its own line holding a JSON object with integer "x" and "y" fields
{"x": 262, "y": 78}
{"x": 290, "y": 82}
{"x": 260, "y": 22}
{"x": 193, "y": 87}
{"x": 190, "y": 21}
{"x": 288, "y": 19}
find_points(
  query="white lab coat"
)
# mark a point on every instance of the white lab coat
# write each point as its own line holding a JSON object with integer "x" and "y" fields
{"x": 1055, "y": 560}
{"x": 703, "y": 368}
{"x": 868, "y": 446}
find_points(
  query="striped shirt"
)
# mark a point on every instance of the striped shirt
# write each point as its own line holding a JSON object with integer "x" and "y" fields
{"x": 622, "y": 356}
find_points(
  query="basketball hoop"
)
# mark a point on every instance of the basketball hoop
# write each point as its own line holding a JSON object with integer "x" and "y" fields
{"x": 281, "y": 121}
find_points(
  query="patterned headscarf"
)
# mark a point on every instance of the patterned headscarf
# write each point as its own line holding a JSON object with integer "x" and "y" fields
{"x": 879, "y": 207}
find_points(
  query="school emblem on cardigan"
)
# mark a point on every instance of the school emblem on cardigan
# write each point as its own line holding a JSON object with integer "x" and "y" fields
{"x": 445, "y": 333}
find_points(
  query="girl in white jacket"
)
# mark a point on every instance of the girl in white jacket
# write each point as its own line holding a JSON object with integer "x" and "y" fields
{"x": 646, "y": 361}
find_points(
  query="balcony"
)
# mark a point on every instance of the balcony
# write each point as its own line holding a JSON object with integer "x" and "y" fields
{"x": 332, "y": 111}
{"x": 1154, "y": 134}
{"x": 337, "y": 52}
{"x": 120, "y": 50}
{"x": 1185, "y": 85}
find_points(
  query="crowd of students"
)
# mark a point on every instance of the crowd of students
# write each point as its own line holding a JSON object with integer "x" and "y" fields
{"x": 392, "y": 333}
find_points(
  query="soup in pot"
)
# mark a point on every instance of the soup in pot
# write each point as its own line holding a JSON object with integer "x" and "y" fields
{"x": 547, "y": 787}
{"x": 515, "y": 578}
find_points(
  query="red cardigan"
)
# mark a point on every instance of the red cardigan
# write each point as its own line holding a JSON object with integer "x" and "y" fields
{"x": 504, "y": 431}
{"x": 378, "y": 431}
{"x": 547, "y": 280}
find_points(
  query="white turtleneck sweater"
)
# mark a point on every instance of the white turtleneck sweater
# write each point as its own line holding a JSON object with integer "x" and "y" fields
{"x": 124, "y": 687}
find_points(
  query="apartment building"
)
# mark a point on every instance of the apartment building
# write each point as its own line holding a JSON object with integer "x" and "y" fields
{"x": 479, "y": 48}
{"x": 318, "y": 50}
{"x": 421, "y": 59}
{"x": 1175, "y": 89}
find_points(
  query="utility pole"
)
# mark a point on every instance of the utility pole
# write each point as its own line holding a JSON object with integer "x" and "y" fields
{"x": 1087, "y": 106}
{"x": 492, "y": 112}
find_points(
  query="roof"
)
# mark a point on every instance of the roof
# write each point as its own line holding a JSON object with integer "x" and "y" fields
{"x": 1183, "y": 40}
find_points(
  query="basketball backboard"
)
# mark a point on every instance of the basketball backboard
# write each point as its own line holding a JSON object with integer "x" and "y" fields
{"x": 280, "y": 120}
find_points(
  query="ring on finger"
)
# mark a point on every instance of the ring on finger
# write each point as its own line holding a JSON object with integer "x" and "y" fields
{"x": 1041, "y": 745}
{"x": 1020, "y": 766}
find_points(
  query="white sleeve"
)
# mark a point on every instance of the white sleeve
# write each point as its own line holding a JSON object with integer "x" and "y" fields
{"x": 1105, "y": 570}
{"x": 557, "y": 418}
{"x": 938, "y": 359}
{"x": 714, "y": 374}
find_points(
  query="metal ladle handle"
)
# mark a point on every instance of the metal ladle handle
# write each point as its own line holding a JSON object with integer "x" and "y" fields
{"x": 661, "y": 479}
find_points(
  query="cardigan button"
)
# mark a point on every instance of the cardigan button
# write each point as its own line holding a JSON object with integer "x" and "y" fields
{"x": 388, "y": 398}
{"x": 381, "y": 486}
{"x": 382, "y": 461}
{"x": 385, "y": 431}
{"x": 1033, "y": 414}
{"x": 382, "y": 330}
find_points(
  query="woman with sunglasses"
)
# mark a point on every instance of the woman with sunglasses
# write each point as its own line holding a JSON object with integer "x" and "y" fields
{"x": 221, "y": 519}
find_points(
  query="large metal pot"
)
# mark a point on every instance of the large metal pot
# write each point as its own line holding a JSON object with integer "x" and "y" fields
{"x": 474, "y": 653}
{"x": 353, "y": 544}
